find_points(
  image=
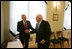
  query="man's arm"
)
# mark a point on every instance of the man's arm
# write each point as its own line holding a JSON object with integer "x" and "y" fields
{"x": 33, "y": 30}
{"x": 47, "y": 33}
{"x": 18, "y": 27}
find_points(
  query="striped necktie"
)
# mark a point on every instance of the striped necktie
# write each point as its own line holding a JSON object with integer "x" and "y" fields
{"x": 25, "y": 25}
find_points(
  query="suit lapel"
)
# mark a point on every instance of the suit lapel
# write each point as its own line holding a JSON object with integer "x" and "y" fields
{"x": 23, "y": 24}
{"x": 40, "y": 24}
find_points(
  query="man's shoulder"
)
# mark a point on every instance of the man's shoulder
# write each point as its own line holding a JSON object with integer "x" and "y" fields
{"x": 44, "y": 21}
{"x": 28, "y": 21}
{"x": 20, "y": 21}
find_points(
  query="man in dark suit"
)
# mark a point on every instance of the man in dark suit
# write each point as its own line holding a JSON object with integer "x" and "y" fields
{"x": 43, "y": 32}
{"x": 23, "y": 29}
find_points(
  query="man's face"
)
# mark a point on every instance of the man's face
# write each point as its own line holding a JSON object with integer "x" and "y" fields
{"x": 38, "y": 19}
{"x": 24, "y": 18}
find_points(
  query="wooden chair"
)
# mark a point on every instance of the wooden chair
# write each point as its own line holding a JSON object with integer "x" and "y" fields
{"x": 63, "y": 39}
{"x": 55, "y": 41}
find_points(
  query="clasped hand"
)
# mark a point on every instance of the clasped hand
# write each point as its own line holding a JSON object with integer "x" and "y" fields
{"x": 42, "y": 41}
{"x": 27, "y": 31}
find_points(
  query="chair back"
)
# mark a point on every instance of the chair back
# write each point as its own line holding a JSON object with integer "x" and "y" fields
{"x": 53, "y": 33}
{"x": 59, "y": 34}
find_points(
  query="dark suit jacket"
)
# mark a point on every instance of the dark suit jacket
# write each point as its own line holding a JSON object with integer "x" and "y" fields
{"x": 21, "y": 30}
{"x": 44, "y": 32}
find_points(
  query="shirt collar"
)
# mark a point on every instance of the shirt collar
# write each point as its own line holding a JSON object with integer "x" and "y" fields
{"x": 24, "y": 22}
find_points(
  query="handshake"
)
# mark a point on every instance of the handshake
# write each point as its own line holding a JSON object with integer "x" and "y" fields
{"x": 27, "y": 31}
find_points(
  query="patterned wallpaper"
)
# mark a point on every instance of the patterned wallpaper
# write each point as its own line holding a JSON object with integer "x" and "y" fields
{"x": 55, "y": 25}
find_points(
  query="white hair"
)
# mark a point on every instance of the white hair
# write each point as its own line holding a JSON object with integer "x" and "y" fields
{"x": 40, "y": 16}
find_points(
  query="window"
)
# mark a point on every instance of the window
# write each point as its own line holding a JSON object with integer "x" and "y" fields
{"x": 67, "y": 17}
{"x": 37, "y": 7}
{"x": 30, "y": 8}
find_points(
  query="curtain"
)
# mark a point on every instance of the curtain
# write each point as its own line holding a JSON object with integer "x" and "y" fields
{"x": 30, "y": 8}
